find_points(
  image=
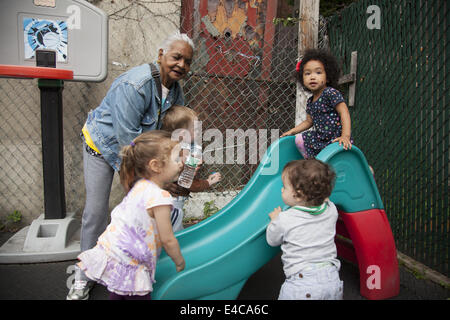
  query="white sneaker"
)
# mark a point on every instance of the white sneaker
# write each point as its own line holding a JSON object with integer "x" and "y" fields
{"x": 80, "y": 290}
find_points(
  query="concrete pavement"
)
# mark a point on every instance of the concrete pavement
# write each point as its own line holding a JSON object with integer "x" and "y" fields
{"x": 49, "y": 281}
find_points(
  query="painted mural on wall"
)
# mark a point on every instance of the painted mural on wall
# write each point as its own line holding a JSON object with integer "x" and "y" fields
{"x": 233, "y": 31}
{"x": 230, "y": 85}
{"x": 232, "y": 70}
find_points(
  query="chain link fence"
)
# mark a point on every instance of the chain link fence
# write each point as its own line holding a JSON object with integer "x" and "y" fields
{"x": 242, "y": 79}
{"x": 233, "y": 88}
{"x": 136, "y": 28}
{"x": 401, "y": 116}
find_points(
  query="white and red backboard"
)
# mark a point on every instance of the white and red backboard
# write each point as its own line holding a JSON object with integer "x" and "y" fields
{"x": 75, "y": 29}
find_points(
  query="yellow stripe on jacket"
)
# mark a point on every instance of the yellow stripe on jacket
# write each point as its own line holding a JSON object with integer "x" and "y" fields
{"x": 88, "y": 139}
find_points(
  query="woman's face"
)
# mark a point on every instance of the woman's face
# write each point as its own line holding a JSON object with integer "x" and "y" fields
{"x": 175, "y": 63}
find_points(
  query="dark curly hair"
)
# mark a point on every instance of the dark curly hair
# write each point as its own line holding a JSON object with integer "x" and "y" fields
{"x": 328, "y": 60}
{"x": 312, "y": 180}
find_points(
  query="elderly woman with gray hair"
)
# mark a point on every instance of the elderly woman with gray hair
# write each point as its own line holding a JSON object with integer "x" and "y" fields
{"x": 135, "y": 103}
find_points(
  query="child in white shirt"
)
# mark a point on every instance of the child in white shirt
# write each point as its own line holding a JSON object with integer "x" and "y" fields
{"x": 306, "y": 233}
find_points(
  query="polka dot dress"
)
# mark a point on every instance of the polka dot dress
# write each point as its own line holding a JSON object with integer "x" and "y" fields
{"x": 326, "y": 121}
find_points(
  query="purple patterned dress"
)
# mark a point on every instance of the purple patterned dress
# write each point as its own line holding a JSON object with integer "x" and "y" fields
{"x": 125, "y": 256}
{"x": 327, "y": 123}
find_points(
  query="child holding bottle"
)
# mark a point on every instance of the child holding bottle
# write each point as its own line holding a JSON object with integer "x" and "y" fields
{"x": 306, "y": 233}
{"x": 124, "y": 259}
{"x": 180, "y": 121}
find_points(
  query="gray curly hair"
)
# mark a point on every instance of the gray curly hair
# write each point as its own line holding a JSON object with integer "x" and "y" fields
{"x": 177, "y": 36}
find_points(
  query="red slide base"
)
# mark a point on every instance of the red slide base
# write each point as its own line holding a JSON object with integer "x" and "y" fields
{"x": 373, "y": 250}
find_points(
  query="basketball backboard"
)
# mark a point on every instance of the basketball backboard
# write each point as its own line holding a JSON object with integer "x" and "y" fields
{"x": 75, "y": 29}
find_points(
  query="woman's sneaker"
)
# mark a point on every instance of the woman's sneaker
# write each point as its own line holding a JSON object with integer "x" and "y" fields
{"x": 80, "y": 290}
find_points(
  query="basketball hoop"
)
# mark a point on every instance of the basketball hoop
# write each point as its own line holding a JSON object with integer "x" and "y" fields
{"x": 52, "y": 41}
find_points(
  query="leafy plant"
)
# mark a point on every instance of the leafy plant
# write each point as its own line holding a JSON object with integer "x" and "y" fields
{"x": 209, "y": 208}
{"x": 287, "y": 22}
{"x": 191, "y": 220}
{"x": 10, "y": 220}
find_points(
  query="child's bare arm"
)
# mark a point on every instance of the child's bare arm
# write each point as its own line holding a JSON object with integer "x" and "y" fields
{"x": 344, "y": 114}
{"x": 274, "y": 231}
{"x": 168, "y": 240}
{"x": 305, "y": 125}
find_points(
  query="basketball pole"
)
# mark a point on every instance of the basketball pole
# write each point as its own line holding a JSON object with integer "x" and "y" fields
{"x": 54, "y": 236}
{"x": 52, "y": 138}
{"x": 52, "y": 147}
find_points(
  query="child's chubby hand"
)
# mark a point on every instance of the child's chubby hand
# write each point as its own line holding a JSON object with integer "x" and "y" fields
{"x": 180, "y": 266}
{"x": 274, "y": 214}
{"x": 344, "y": 141}
{"x": 287, "y": 133}
{"x": 214, "y": 178}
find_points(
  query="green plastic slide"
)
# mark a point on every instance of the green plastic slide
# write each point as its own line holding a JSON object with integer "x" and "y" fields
{"x": 223, "y": 251}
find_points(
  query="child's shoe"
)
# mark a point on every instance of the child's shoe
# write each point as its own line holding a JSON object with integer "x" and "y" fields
{"x": 80, "y": 290}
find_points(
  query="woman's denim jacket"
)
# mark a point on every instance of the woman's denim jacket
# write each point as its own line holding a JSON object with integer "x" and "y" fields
{"x": 128, "y": 109}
